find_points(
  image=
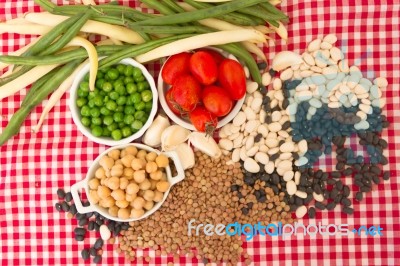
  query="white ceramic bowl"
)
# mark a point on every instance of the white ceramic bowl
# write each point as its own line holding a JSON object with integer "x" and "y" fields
{"x": 90, "y": 174}
{"x": 76, "y": 116}
{"x": 164, "y": 87}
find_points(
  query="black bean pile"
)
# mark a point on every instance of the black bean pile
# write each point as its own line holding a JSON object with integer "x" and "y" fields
{"x": 88, "y": 222}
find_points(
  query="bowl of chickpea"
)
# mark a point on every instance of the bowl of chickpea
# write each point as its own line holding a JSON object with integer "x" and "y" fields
{"x": 128, "y": 182}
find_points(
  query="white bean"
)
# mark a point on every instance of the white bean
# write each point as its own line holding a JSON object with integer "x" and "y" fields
{"x": 236, "y": 155}
{"x": 291, "y": 187}
{"x": 266, "y": 79}
{"x": 261, "y": 157}
{"x": 226, "y": 144}
{"x": 251, "y": 165}
{"x": 301, "y": 211}
{"x": 239, "y": 119}
{"x": 252, "y": 151}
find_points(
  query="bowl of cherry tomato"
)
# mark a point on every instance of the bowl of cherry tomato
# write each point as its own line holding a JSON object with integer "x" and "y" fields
{"x": 202, "y": 90}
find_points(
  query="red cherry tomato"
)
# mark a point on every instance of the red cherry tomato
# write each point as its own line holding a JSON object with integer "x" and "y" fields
{"x": 232, "y": 78}
{"x": 203, "y": 67}
{"x": 175, "y": 66}
{"x": 186, "y": 93}
{"x": 203, "y": 120}
{"x": 216, "y": 100}
{"x": 171, "y": 102}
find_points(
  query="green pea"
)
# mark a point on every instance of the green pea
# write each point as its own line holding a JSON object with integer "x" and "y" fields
{"x": 121, "y": 100}
{"x": 94, "y": 112}
{"x": 85, "y": 111}
{"x": 129, "y": 110}
{"x": 120, "y": 109}
{"x": 139, "y": 115}
{"x": 128, "y": 80}
{"x": 144, "y": 119}
{"x": 96, "y": 121}
{"x": 128, "y": 119}
{"x": 118, "y": 117}
{"x": 106, "y": 132}
{"x": 108, "y": 120}
{"x": 107, "y": 87}
{"x": 84, "y": 86}
{"x": 105, "y": 69}
{"x": 140, "y": 79}
{"x": 81, "y": 102}
{"x": 91, "y": 103}
{"x": 136, "y": 72}
{"x": 126, "y": 132}
{"x": 148, "y": 107}
{"x": 116, "y": 134}
{"x": 98, "y": 100}
{"x": 147, "y": 95}
{"x": 121, "y": 125}
{"x": 82, "y": 93}
{"x": 121, "y": 90}
{"x": 136, "y": 98}
{"x": 121, "y": 68}
{"x": 111, "y": 105}
{"x": 144, "y": 85}
{"x": 102, "y": 93}
{"x": 85, "y": 121}
{"x": 136, "y": 125}
{"x": 131, "y": 88}
{"x": 97, "y": 131}
{"x": 118, "y": 83}
{"x": 99, "y": 75}
{"x": 92, "y": 94}
{"x": 140, "y": 106}
{"x": 99, "y": 83}
{"x": 112, "y": 127}
{"x": 113, "y": 95}
{"x": 128, "y": 70}
{"x": 104, "y": 111}
{"x": 113, "y": 74}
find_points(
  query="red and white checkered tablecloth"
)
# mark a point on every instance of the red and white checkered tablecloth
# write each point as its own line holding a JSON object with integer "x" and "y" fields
{"x": 34, "y": 166}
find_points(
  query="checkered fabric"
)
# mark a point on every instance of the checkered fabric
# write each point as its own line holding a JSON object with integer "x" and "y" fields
{"x": 34, "y": 166}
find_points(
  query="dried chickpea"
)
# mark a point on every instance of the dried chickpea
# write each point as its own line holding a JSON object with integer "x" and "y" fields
{"x": 130, "y": 197}
{"x": 123, "y": 182}
{"x": 117, "y": 170}
{"x": 106, "y": 162}
{"x": 123, "y": 213}
{"x": 114, "y": 154}
{"x": 153, "y": 184}
{"x": 128, "y": 172}
{"x": 122, "y": 153}
{"x": 162, "y": 186}
{"x": 122, "y": 203}
{"x": 103, "y": 181}
{"x": 148, "y": 195}
{"x": 131, "y": 150}
{"x": 127, "y": 160}
{"x": 157, "y": 175}
{"x": 94, "y": 183}
{"x": 139, "y": 176}
{"x": 119, "y": 163}
{"x": 162, "y": 161}
{"x": 145, "y": 185}
{"x": 138, "y": 164}
{"x": 141, "y": 154}
{"x": 103, "y": 192}
{"x": 132, "y": 188}
{"x": 94, "y": 197}
{"x": 151, "y": 167}
{"x": 113, "y": 211}
{"x": 107, "y": 202}
{"x": 151, "y": 156}
{"x": 137, "y": 213}
{"x": 158, "y": 196}
{"x": 118, "y": 194}
{"x": 113, "y": 183}
{"x": 148, "y": 205}
{"x": 100, "y": 173}
{"x": 138, "y": 203}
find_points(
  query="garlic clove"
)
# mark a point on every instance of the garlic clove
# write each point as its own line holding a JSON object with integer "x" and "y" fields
{"x": 172, "y": 136}
{"x": 186, "y": 155}
{"x": 152, "y": 137}
{"x": 205, "y": 144}
{"x": 286, "y": 59}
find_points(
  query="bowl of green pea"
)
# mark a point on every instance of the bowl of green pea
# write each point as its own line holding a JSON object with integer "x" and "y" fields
{"x": 121, "y": 107}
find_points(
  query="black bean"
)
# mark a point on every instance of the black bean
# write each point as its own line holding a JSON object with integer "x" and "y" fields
{"x": 359, "y": 196}
{"x": 384, "y": 160}
{"x": 85, "y": 254}
{"x": 346, "y": 191}
{"x": 348, "y": 210}
{"x": 80, "y": 231}
{"x": 117, "y": 229}
{"x": 376, "y": 179}
{"x": 89, "y": 214}
{"x": 334, "y": 193}
{"x": 234, "y": 188}
{"x": 257, "y": 138}
{"x": 79, "y": 216}
{"x": 96, "y": 227}
{"x": 358, "y": 183}
{"x": 348, "y": 171}
{"x": 262, "y": 65}
{"x": 308, "y": 199}
{"x": 365, "y": 189}
{"x": 274, "y": 157}
{"x": 317, "y": 188}
{"x": 97, "y": 259}
{"x": 65, "y": 206}
{"x": 99, "y": 243}
{"x": 346, "y": 202}
{"x": 338, "y": 198}
{"x": 262, "y": 199}
{"x": 326, "y": 194}
{"x": 73, "y": 209}
{"x": 375, "y": 169}
{"x": 85, "y": 203}
{"x": 125, "y": 226}
{"x": 324, "y": 176}
{"x": 275, "y": 178}
{"x": 79, "y": 238}
{"x": 91, "y": 225}
{"x": 58, "y": 207}
{"x": 68, "y": 197}
{"x": 319, "y": 205}
{"x": 331, "y": 206}
{"x": 339, "y": 185}
{"x": 272, "y": 72}
{"x": 286, "y": 125}
{"x": 311, "y": 212}
{"x": 93, "y": 251}
{"x": 298, "y": 201}
{"x": 83, "y": 221}
{"x": 331, "y": 181}
{"x": 245, "y": 211}
{"x": 335, "y": 174}
{"x": 386, "y": 175}
{"x": 61, "y": 193}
